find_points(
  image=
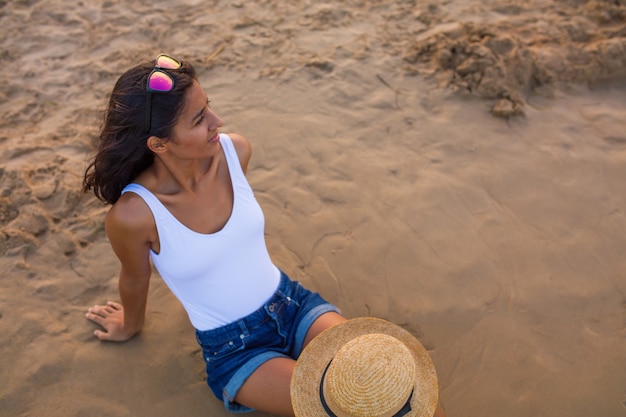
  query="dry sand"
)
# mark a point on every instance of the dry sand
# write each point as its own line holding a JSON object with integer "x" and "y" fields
{"x": 387, "y": 183}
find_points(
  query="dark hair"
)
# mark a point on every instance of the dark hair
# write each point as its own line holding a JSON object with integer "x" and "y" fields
{"x": 122, "y": 144}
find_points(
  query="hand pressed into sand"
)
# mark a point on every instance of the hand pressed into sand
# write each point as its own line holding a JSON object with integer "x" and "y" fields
{"x": 111, "y": 318}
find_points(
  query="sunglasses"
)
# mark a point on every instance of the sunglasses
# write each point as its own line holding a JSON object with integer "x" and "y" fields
{"x": 159, "y": 81}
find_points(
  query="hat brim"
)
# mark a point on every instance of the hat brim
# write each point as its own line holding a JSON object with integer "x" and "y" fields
{"x": 305, "y": 382}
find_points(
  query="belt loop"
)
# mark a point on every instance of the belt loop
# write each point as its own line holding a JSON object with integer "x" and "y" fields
{"x": 243, "y": 328}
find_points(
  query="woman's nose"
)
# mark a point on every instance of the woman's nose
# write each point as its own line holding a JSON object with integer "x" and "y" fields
{"x": 216, "y": 122}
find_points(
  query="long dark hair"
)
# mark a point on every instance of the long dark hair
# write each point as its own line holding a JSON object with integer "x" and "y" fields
{"x": 122, "y": 146}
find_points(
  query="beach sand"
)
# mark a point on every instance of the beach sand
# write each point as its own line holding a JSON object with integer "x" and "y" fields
{"x": 456, "y": 167}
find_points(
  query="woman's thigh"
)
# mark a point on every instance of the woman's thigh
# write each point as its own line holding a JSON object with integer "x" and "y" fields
{"x": 267, "y": 388}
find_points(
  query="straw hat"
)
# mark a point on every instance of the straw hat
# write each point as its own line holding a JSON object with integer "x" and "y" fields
{"x": 364, "y": 367}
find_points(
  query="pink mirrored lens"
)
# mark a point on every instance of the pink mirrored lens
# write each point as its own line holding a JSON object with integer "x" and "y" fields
{"x": 164, "y": 61}
{"x": 160, "y": 81}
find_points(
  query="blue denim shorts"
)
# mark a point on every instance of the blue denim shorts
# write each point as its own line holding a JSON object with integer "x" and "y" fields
{"x": 277, "y": 329}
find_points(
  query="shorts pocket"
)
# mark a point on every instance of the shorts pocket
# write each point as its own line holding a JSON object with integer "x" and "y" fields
{"x": 217, "y": 350}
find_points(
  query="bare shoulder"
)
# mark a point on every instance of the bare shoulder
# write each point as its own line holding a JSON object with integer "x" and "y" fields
{"x": 130, "y": 220}
{"x": 243, "y": 148}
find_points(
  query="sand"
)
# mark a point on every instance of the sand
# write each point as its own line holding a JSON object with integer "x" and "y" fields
{"x": 456, "y": 167}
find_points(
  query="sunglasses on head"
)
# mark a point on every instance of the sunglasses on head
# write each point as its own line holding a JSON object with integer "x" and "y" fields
{"x": 159, "y": 81}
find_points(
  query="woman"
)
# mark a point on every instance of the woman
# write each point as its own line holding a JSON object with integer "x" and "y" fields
{"x": 180, "y": 197}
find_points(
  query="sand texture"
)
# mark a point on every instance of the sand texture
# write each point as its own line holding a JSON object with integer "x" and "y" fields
{"x": 456, "y": 167}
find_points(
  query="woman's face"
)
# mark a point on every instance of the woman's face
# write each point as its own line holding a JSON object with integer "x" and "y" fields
{"x": 197, "y": 129}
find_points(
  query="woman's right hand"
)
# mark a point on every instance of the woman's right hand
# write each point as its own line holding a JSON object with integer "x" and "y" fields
{"x": 111, "y": 318}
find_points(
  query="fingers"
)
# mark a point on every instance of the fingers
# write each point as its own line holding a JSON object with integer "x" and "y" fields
{"x": 111, "y": 307}
{"x": 102, "y": 315}
{"x": 94, "y": 311}
{"x": 102, "y": 335}
{"x": 111, "y": 318}
{"x": 114, "y": 305}
{"x": 97, "y": 318}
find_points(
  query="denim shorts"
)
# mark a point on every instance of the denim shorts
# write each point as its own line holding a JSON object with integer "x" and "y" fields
{"x": 277, "y": 329}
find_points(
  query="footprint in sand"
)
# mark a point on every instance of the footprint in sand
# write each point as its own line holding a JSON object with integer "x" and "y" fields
{"x": 43, "y": 182}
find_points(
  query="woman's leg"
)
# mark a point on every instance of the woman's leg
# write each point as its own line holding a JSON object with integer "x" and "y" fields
{"x": 267, "y": 389}
{"x": 322, "y": 323}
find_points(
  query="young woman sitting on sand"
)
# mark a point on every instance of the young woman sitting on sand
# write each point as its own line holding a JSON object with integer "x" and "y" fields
{"x": 180, "y": 197}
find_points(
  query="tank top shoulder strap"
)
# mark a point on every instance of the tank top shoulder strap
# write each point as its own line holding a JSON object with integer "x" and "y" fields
{"x": 157, "y": 208}
{"x": 234, "y": 166}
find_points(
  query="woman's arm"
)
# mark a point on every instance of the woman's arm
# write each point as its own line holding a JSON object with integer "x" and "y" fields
{"x": 131, "y": 231}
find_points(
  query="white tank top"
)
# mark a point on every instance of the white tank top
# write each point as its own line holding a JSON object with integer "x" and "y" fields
{"x": 218, "y": 277}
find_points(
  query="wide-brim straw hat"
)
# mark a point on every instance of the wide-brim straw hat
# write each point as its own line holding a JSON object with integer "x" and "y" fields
{"x": 364, "y": 367}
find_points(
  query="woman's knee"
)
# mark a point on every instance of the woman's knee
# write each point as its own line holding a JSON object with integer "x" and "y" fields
{"x": 323, "y": 322}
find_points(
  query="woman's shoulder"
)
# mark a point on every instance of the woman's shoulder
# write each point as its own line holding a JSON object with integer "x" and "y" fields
{"x": 243, "y": 148}
{"x": 131, "y": 230}
{"x": 242, "y": 145}
{"x": 130, "y": 213}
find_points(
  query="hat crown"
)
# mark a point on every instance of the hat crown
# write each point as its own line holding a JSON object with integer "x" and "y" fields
{"x": 370, "y": 376}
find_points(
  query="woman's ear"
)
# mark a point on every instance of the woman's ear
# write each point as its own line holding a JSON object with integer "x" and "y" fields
{"x": 156, "y": 144}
